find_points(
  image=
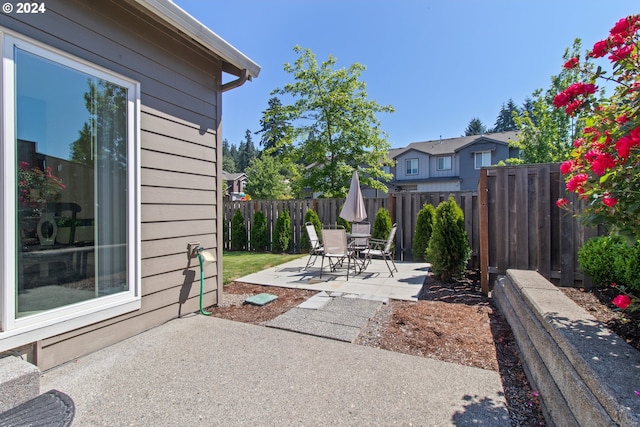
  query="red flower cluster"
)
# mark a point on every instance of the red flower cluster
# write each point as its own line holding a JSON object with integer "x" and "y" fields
{"x": 609, "y": 200}
{"x": 569, "y": 97}
{"x": 622, "y": 301}
{"x": 600, "y": 162}
{"x": 618, "y": 44}
{"x": 576, "y": 182}
{"x": 567, "y": 166}
{"x": 571, "y": 63}
{"x": 627, "y": 142}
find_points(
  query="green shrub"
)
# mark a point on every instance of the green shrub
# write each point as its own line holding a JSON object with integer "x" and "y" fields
{"x": 310, "y": 216}
{"x": 225, "y": 234}
{"x": 597, "y": 259}
{"x": 346, "y": 224}
{"x": 381, "y": 225}
{"x": 632, "y": 267}
{"x": 422, "y": 235}
{"x": 238, "y": 232}
{"x": 282, "y": 233}
{"x": 448, "y": 250}
{"x": 259, "y": 232}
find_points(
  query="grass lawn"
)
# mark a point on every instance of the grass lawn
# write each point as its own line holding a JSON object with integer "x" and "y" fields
{"x": 238, "y": 264}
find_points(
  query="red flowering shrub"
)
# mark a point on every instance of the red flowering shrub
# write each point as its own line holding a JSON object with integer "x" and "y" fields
{"x": 603, "y": 166}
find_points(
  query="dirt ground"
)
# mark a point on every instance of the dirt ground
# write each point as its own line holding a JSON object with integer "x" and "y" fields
{"x": 450, "y": 322}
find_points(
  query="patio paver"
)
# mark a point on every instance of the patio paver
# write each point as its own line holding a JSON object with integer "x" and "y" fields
{"x": 374, "y": 281}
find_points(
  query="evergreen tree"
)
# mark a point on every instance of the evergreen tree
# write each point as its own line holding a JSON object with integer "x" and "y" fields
{"x": 282, "y": 233}
{"x": 422, "y": 235}
{"x": 228, "y": 162}
{"x": 448, "y": 250}
{"x": 259, "y": 232}
{"x": 475, "y": 127}
{"x": 246, "y": 152}
{"x": 505, "y": 121}
{"x": 381, "y": 225}
{"x": 234, "y": 154}
{"x": 238, "y": 232}
{"x": 275, "y": 129}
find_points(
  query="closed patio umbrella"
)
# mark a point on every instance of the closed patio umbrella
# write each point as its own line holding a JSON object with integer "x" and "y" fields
{"x": 353, "y": 209}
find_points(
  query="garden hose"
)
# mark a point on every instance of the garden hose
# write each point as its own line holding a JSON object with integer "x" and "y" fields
{"x": 200, "y": 260}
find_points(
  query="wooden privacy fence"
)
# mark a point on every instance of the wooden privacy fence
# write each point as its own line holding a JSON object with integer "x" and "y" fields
{"x": 522, "y": 228}
{"x": 511, "y": 221}
{"x": 403, "y": 209}
{"x": 328, "y": 211}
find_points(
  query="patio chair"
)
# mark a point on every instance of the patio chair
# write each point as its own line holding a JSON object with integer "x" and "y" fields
{"x": 315, "y": 248}
{"x": 382, "y": 249}
{"x": 336, "y": 249}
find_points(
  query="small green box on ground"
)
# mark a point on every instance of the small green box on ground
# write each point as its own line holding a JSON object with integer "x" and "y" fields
{"x": 261, "y": 299}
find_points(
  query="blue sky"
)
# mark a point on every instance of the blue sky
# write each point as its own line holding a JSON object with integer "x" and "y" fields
{"x": 438, "y": 63}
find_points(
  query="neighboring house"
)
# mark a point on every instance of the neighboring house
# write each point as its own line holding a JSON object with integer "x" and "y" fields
{"x": 449, "y": 164}
{"x": 236, "y": 183}
{"x": 111, "y": 159}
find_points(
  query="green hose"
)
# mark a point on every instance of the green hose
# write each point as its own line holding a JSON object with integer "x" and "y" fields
{"x": 206, "y": 313}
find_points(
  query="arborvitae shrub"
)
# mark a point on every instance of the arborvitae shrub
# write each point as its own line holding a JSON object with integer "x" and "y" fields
{"x": 282, "y": 233}
{"x": 346, "y": 224}
{"x": 381, "y": 225}
{"x": 424, "y": 227}
{"x": 448, "y": 250}
{"x": 310, "y": 216}
{"x": 597, "y": 259}
{"x": 259, "y": 232}
{"x": 238, "y": 232}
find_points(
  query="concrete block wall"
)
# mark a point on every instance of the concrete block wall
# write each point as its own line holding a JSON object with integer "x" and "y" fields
{"x": 585, "y": 375}
{"x": 19, "y": 382}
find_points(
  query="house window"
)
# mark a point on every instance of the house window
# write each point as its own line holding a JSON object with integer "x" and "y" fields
{"x": 482, "y": 158}
{"x": 412, "y": 166}
{"x": 444, "y": 163}
{"x": 70, "y": 216}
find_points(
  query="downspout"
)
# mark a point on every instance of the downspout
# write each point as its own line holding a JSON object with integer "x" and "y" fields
{"x": 244, "y": 76}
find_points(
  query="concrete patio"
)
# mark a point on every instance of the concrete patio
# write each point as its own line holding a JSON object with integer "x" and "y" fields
{"x": 375, "y": 280}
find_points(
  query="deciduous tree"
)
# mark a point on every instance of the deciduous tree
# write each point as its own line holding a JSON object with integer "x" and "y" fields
{"x": 545, "y": 133}
{"x": 335, "y": 128}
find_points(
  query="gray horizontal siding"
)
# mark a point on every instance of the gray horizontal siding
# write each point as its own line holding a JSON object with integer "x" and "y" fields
{"x": 179, "y": 121}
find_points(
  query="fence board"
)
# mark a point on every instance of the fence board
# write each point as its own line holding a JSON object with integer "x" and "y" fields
{"x": 520, "y": 210}
{"x": 543, "y": 230}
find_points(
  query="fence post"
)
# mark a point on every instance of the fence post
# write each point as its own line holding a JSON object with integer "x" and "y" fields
{"x": 483, "y": 213}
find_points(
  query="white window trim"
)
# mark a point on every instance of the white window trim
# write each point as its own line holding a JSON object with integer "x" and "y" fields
{"x": 406, "y": 169}
{"x": 15, "y": 332}
{"x": 475, "y": 154}
{"x": 438, "y": 163}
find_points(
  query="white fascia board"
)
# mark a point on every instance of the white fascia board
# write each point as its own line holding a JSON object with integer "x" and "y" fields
{"x": 178, "y": 18}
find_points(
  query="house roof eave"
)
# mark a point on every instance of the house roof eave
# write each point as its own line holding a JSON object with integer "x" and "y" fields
{"x": 176, "y": 17}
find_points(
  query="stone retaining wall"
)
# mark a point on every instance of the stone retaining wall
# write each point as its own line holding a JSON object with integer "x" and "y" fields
{"x": 585, "y": 375}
